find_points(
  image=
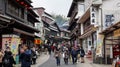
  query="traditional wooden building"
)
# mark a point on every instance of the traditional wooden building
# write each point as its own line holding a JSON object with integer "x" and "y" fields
{"x": 50, "y": 28}
{"x": 84, "y": 31}
{"x": 18, "y": 18}
{"x": 99, "y": 26}
{"x": 73, "y": 22}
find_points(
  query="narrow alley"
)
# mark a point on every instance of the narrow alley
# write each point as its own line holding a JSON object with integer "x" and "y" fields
{"x": 59, "y": 33}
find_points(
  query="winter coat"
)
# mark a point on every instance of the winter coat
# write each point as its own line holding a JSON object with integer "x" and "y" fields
{"x": 74, "y": 53}
{"x": 82, "y": 53}
{"x": 26, "y": 58}
{"x": 34, "y": 54}
{"x": 57, "y": 54}
{"x": 10, "y": 60}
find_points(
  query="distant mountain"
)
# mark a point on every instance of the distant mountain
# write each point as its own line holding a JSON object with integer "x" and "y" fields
{"x": 65, "y": 25}
{"x": 59, "y": 19}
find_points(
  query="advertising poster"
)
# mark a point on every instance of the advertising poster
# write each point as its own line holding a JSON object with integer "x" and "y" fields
{"x": 99, "y": 45}
{"x": 14, "y": 45}
{"x": 6, "y": 41}
{"x": 14, "y": 48}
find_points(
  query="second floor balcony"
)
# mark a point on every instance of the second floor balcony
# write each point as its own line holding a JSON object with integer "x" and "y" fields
{"x": 88, "y": 28}
{"x": 20, "y": 13}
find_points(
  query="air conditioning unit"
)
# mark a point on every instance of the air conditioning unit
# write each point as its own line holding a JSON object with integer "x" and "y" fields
{"x": 96, "y": 2}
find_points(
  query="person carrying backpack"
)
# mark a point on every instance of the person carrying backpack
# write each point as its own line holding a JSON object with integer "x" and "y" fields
{"x": 66, "y": 56}
{"x": 34, "y": 55}
{"x": 57, "y": 55}
{"x": 82, "y": 54}
{"x": 8, "y": 59}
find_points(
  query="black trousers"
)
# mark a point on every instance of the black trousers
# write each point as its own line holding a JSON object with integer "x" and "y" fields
{"x": 34, "y": 60}
{"x": 66, "y": 60}
{"x": 0, "y": 64}
{"x": 74, "y": 59}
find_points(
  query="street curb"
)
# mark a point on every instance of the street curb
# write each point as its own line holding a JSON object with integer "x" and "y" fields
{"x": 96, "y": 65}
{"x": 41, "y": 60}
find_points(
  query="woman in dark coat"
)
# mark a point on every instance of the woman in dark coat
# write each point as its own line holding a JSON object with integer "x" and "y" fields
{"x": 82, "y": 54}
{"x": 8, "y": 59}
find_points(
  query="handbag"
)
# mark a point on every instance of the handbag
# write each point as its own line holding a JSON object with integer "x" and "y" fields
{"x": 81, "y": 55}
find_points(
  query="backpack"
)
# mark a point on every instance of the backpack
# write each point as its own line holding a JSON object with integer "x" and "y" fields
{"x": 6, "y": 61}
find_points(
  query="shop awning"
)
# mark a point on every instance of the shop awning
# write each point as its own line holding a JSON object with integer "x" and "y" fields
{"x": 88, "y": 33}
{"x": 111, "y": 28}
{"x": 5, "y": 21}
{"x": 37, "y": 35}
{"x": 5, "y": 18}
{"x": 84, "y": 17}
{"x": 23, "y": 32}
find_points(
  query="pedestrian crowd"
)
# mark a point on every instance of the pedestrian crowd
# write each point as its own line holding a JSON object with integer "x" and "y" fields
{"x": 69, "y": 53}
{"x": 27, "y": 56}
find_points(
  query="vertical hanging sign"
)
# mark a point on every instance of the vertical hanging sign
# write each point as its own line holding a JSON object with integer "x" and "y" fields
{"x": 93, "y": 15}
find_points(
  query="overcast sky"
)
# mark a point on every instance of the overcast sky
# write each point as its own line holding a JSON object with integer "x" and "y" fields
{"x": 54, "y": 6}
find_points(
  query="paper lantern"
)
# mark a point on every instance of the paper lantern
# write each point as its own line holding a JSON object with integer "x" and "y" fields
{"x": 37, "y": 41}
{"x": 26, "y": 5}
{"x": 22, "y": 3}
{"x": 17, "y": 0}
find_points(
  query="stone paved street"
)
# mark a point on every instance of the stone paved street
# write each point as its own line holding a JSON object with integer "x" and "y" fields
{"x": 41, "y": 59}
{"x": 51, "y": 63}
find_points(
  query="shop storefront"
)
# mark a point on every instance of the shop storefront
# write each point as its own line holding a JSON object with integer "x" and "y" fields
{"x": 112, "y": 46}
{"x": 12, "y": 41}
{"x": 89, "y": 42}
{"x": 110, "y": 30}
{"x": 14, "y": 37}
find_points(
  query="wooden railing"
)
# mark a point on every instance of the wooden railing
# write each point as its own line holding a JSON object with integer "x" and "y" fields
{"x": 88, "y": 28}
